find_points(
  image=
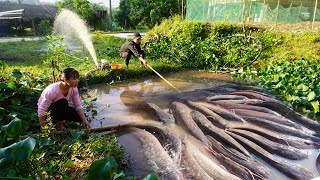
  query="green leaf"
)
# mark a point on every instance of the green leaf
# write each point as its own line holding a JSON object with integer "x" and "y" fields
{"x": 3, "y": 64}
{"x": 16, "y": 73}
{"x": 302, "y": 87}
{"x": 2, "y": 113}
{"x": 44, "y": 142}
{"x": 16, "y": 101}
{"x": 94, "y": 99}
{"x": 76, "y": 135}
{"x": 3, "y": 85}
{"x": 3, "y": 96}
{"x": 120, "y": 175}
{"x": 15, "y": 128}
{"x": 151, "y": 177}
{"x": 17, "y": 152}
{"x": 311, "y": 96}
{"x": 102, "y": 169}
{"x": 315, "y": 105}
{"x": 13, "y": 85}
{"x": 69, "y": 163}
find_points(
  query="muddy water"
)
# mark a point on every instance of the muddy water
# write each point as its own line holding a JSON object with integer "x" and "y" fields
{"x": 123, "y": 103}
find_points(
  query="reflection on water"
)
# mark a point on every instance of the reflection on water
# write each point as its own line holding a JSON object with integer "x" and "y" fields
{"x": 124, "y": 103}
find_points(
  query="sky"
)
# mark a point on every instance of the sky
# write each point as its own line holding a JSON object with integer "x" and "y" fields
{"x": 114, "y": 3}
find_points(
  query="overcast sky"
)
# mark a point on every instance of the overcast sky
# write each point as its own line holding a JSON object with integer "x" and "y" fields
{"x": 114, "y": 3}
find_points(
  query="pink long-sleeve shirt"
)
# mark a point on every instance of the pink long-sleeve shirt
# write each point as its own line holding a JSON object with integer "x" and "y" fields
{"x": 52, "y": 94}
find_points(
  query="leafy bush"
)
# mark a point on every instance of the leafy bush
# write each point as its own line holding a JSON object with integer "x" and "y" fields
{"x": 201, "y": 45}
{"x": 45, "y": 27}
{"x": 107, "y": 46}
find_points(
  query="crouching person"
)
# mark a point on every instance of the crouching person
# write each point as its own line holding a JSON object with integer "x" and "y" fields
{"x": 56, "y": 97}
{"x": 133, "y": 48}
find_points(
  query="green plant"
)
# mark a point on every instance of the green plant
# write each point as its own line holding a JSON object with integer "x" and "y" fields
{"x": 18, "y": 97}
{"x": 202, "y": 45}
{"x": 49, "y": 155}
{"x": 45, "y": 27}
{"x": 56, "y": 54}
{"x": 297, "y": 82}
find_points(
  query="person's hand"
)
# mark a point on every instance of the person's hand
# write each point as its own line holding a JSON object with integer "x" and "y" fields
{"x": 144, "y": 62}
{"x": 86, "y": 124}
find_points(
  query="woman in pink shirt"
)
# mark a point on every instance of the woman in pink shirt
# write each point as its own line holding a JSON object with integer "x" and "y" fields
{"x": 56, "y": 98}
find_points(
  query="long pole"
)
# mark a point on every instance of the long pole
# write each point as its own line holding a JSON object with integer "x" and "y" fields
{"x": 314, "y": 14}
{"x": 250, "y": 7}
{"x": 299, "y": 11}
{"x": 277, "y": 12}
{"x": 225, "y": 10}
{"x": 110, "y": 15}
{"x": 288, "y": 14}
{"x": 182, "y": 10}
{"x": 96, "y": 130}
{"x": 163, "y": 78}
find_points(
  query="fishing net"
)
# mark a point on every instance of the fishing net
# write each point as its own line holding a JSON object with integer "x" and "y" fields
{"x": 253, "y": 10}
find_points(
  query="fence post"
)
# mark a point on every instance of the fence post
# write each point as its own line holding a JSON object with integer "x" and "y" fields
{"x": 239, "y": 15}
{"x": 250, "y": 9}
{"x": 289, "y": 11}
{"x": 277, "y": 12}
{"x": 182, "y": 10}
{"x": 314, "y": 14}
{"x": 244, "y": 11}
{"x": 225, "y": 10}
{"x": 299, "y": 11}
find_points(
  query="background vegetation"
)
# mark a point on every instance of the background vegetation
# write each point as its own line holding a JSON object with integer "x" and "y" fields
{"x": 288, "y": 67}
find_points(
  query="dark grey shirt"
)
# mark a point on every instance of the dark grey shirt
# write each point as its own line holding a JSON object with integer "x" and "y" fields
{"x": 133, "y": 47}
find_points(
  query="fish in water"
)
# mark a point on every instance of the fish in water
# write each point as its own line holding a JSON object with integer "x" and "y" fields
{"x": 225, "y": 97}
{"x": 163, "y": 165}
{"x": 254, "y": 95}
{"x": 172, "y": 141}
{"x": 292, "y": 115}
{"x": 212, "y": 130}
{"x": 225, "y": 113}
{"x": 160, "y": 114}
{"x": 249, "y": 162}
{"x": 207, "y": 167}
{"x": 190, "y": 168}
{"x": 273, "y": 147}
{"x": 291, "y": 170}
{"x": 183, "y": 117}
{"x": 249, "y": 107}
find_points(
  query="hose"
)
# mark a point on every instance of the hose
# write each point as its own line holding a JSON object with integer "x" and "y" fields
{"x": 228, "y": 70}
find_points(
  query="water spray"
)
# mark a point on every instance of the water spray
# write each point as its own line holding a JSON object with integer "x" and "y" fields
{"x": 70, "y": 25}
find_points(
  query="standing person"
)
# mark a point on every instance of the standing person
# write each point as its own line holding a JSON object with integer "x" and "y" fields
{"x": 56, "y": 97}
{"x": 133, "y": 48}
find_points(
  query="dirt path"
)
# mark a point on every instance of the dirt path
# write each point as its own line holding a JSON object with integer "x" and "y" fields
{"x": 14, "y": 39}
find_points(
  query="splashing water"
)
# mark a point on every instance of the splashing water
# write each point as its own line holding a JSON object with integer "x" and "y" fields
{"x": 70, "y": 25}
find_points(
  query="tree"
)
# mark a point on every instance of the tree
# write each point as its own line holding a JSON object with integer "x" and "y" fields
{"x": 145, "y": 12}
{"x": 86, "y": 10}
{"x": 122, "y": 15}
{"x": 83, "y": 8}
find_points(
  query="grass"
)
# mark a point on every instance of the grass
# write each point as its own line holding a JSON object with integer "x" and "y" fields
{"x": 30, "y": 56}
{"x": 293, "y": 46}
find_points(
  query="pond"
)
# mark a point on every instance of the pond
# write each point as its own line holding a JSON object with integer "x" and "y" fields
{"x": 124, "y": 102}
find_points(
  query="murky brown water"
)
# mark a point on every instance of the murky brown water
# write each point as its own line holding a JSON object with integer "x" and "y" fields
{"x": 122, "y": 103}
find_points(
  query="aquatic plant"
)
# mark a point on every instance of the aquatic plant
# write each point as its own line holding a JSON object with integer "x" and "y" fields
{"x": 296, "y": 82}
